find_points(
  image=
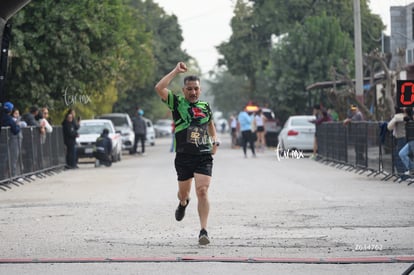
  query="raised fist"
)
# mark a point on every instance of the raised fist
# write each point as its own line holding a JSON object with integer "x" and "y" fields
{"x": 181, "y": 67}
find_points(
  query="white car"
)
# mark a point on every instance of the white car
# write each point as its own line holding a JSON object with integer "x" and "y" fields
{"x": 297, "y": 133}
{"x": 150, "y": 132}
{"x": 163, "y": 127}
{"x": 90, "y": 130}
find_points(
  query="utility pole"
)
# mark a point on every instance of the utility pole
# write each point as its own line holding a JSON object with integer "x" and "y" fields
{"x": 358, "y": 53}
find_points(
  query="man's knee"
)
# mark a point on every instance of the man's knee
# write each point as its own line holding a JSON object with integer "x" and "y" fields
{"x": 202, "y": 192}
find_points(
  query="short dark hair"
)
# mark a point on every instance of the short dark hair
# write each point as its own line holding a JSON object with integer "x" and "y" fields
{"x": 33, "y": 109}
{"x": 191, "y": 78}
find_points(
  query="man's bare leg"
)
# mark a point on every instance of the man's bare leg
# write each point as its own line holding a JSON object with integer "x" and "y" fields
{"x": 202, "y": 183}
{"x": 184, "y": 188}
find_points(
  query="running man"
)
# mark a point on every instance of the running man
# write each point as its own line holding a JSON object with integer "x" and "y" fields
{"x": 195, "y": 143}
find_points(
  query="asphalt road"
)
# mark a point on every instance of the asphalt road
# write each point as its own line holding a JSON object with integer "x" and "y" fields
{"x": 268, "y": 216}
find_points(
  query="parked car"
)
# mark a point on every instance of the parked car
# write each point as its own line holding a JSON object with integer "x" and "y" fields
{"x": 150, "y": 132}
{"x": 163, "y": 127}
{"x": 90, "y": 130}
{"x": 272, "y": 128}
{"x": 297, "y": 133}
{"x": 123, "y": 124}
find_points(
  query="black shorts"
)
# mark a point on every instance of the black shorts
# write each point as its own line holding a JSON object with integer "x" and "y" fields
{"x": 260, "y": 129}
{"x": 186, "y": 165}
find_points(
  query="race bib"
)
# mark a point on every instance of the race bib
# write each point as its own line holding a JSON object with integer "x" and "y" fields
{"x": 197, "y": 135}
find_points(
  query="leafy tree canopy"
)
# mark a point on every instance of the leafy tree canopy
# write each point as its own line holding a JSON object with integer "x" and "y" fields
{"x": 94, "y": 56}
{"x": 277, "y": 73}
{"x": 166, "y": 43}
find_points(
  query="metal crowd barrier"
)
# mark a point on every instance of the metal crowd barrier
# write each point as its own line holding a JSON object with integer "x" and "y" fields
{"x": 30, "y": 153}
{"x": 359, "y": 146}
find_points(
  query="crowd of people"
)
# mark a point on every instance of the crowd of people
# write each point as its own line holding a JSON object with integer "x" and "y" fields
{"x": 37, "y": 117}
{"x": 247, "y": 130}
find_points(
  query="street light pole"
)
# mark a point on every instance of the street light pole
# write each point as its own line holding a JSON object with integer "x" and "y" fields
{"x": 358, "y": 53}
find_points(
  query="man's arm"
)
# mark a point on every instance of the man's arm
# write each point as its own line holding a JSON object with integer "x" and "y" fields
{"x": 162, "y": 85}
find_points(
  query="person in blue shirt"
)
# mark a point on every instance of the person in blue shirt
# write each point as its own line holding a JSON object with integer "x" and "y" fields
{"x": 14, "y": 138}
{"x": 7, "y": 119}
{"x": 245, "y": 121}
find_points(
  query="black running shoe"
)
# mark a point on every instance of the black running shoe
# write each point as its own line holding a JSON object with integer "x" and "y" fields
{"x": 180, "y": 211}
{"x": 203, "y": 237}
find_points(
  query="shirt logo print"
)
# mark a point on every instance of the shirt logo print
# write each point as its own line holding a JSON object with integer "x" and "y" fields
{"x": 198, "y": 112}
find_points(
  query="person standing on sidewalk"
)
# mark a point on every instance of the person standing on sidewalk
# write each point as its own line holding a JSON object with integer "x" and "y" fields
{"x": 397, "y": 126}
{"x": 70, "y": 133}
{"x": 140, "y": 130}
{"x": 195, "y": 143}
{"x": 245, "y": 120}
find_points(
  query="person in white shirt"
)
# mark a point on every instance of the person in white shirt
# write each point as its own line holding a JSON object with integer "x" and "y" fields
{"x": 233, "y": 126}
{"x": 45, "y": 120}
{"x": 260, "y": 130}
{"x": 45, "y": 126}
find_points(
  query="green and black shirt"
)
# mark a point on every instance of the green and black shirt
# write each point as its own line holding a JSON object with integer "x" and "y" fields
{"x": 191, "y": 123}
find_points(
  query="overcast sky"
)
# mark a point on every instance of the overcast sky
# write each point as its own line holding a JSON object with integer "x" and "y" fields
{"x": 206, "y": 23}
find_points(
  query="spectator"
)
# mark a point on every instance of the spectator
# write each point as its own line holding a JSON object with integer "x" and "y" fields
{"x": 30, "y": 117}
{"x": 70, "y": 132}
{"x": 140, "y": 129}
{"x": 45, "y": 120}
{"x": 333, "y": 114}
{"x": 245, "y": 121}
{"x": 76, "y": 125}
{"x": 223, "y": 126}
{"x": 103, "y": 149}
{"x": 321, "y": 117}
{"x": 233, "y": 126}
{"x": 16, "y": 117}
{"x": 355, "y": 115}
{"x": 45, "y": 127}
{"x": 397, "y": 126}
{"x": 408, "y": 148}
{"x": 260, "y": 130}
{"x": 8, "y": 121}
{"x": 358, "y": 139}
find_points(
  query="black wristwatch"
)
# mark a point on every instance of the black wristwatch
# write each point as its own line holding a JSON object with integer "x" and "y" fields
{"x": 216, "y": 143}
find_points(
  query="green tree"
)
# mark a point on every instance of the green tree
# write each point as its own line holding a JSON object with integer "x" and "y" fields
{"x": 73, "y": 49}
{"x": 303, "y": 57}
{"x": 247, "y": 50}
{"x": 279, "y": 16}
{"x": 231, "y": 92}
{"x": 258, "y": 23}
{"x": 166, "y": 48}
